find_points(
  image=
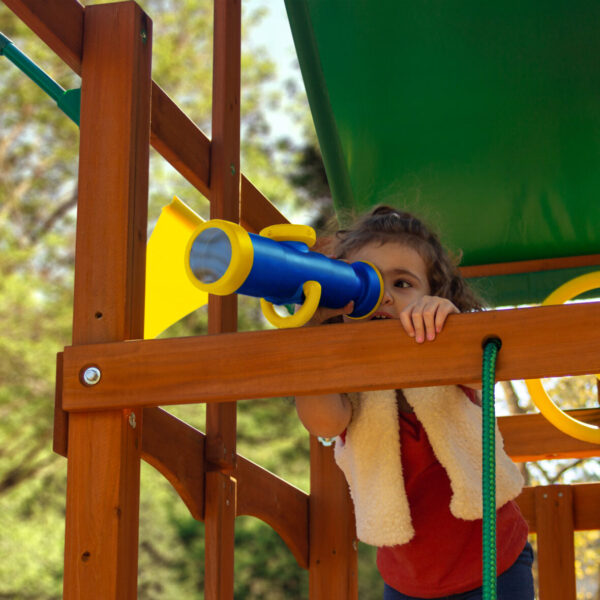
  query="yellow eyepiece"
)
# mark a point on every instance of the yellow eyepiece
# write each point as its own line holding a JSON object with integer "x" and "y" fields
{"x": 219, "y": 257}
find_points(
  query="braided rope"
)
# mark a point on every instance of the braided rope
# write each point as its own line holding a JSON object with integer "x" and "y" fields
{"x": 490, "y": 352}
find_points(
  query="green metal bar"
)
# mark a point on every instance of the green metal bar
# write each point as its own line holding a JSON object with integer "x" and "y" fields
{"x": 67, "y": 100}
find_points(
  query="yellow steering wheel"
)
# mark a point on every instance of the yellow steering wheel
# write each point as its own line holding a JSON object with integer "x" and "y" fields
{"x": 556, "y": 416}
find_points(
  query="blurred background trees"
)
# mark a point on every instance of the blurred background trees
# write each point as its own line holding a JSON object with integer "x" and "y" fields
{"x": 38, "y": 198}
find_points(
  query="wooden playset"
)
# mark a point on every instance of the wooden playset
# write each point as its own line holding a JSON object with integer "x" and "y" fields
{"x": 111, "y": 382}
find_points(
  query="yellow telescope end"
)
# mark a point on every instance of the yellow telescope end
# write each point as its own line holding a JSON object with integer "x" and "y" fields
{"x": 219, "y": 257}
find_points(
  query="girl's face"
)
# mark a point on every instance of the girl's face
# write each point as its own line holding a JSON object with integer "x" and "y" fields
{"x": 404, "y": 275}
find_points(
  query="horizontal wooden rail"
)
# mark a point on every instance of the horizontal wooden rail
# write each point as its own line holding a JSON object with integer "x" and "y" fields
{"x": 537, "y": 342}
{"x": 586, "y": 500}
{"x": 531, "y": 437}
{"x": 530, "y": 266}
{"x": 59, "y": 23}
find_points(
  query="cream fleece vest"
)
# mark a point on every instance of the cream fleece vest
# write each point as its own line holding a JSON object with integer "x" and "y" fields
{"x": 370, "y": 459}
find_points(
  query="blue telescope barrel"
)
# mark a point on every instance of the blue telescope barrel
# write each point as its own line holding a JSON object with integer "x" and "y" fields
{"x": 223, "y": 258}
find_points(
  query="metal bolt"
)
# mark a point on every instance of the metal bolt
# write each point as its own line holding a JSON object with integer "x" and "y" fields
{"x": 560, "y": 494}
{"x": 232, "y": 167}
{"x": 132, "y": 420}
{"x": 144, "y": 35}
{"x": 91, "y": 376}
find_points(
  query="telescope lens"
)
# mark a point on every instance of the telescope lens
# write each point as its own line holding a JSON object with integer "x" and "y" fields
{"x": 210, "y": 255}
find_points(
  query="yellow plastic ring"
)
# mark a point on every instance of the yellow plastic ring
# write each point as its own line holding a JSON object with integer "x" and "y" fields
{"x": 287, "y": 232}
{"x": 312, "y": 295}
{"x": 242, "y": 257}
{"x": 380, "y": 293}
{"x": 556, "y": 416}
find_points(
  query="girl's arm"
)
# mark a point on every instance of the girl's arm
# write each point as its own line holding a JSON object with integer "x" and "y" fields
{"x": 326, "y": 416}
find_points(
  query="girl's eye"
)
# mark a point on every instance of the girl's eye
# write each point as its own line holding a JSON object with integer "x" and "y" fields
{"x": 402, "y": 283}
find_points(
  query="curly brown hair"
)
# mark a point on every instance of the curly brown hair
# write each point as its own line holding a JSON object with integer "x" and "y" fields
{"x": 386, "y": 224}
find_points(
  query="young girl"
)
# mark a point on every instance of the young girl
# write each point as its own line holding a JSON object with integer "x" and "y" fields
{"x": 412, "y": 457}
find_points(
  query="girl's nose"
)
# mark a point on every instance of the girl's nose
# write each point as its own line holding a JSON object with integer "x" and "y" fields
{"x": 387, "y": 297}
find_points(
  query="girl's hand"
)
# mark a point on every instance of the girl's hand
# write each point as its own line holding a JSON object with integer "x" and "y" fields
{"x": 425, "y": 318}
{"x": 323, "y": 313}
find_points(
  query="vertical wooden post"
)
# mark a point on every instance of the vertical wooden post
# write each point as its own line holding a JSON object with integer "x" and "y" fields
{"x": 333, "y": 556}
{"x": 104, "y": 448}
{"x": 555, "y": 552}
{"x": 222, "y": 311}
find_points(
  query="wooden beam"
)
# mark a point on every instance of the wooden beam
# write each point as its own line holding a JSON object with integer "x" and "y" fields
{"x": 61, "y": 417}
{"x": 530, "y": 266}
{"x": 555, "y": 551}
{"x": 333, "y": 557}
{"x": 586, "y": 499}
{"x": 59, "y": 23}
{"x": 256, "y": 212}
{"x": 101, "y": 537}
{"x": 225, "y": 189}
{"x": 180, "y": 141}
{"x": 271, "y": 499}
{"x": 221, "y": 419}
{"x": 537, "y": 342}
{"x": 531, "y": 437}
{"x": 176, "y": 450}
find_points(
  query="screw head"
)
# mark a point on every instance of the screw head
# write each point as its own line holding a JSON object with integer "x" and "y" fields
{"x": 91, "y": 376}
{"x": 132, "y": 420}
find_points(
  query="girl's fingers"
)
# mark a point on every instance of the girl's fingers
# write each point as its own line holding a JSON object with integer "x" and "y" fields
{"x": 418, "y": 323}
{"x": 442, "y": 314}
{"x": 429, "y": 312}
{"x": 426, "y": 318}
{"x": 406, "y": 320}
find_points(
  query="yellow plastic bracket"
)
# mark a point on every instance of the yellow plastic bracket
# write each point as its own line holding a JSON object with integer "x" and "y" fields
{"x": 312, "y": 295}
{"x": 291, "y": 233}
{"x": 556, "y": 416}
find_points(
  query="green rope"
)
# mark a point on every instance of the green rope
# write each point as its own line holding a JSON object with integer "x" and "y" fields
{"x": 490, "y": 352}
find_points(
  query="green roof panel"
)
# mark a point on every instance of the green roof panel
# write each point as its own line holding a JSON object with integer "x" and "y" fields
{"x": 482, "y": 118}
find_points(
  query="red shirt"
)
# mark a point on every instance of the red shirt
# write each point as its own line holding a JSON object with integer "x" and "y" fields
{"x": 445, "y": 555}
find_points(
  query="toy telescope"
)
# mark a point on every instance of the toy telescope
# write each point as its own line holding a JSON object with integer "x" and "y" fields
{"x": 277, "y": 267}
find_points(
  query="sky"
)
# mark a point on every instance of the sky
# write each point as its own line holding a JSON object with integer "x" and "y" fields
{"x": 275, "y": 35}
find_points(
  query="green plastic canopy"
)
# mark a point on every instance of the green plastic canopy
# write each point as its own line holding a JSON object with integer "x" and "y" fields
{"x": 482, "y": 118}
